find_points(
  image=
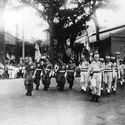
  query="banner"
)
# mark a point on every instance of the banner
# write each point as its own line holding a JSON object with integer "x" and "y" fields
{"x": 37, "y": 53}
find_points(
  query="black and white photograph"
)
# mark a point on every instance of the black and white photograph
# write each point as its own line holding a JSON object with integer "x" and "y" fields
{"x": 62, "y": 62}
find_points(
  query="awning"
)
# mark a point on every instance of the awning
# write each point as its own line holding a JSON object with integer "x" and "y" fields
{"x": 103, "y": 35}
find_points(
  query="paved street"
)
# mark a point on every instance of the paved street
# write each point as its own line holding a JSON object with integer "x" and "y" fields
{"x": 70, "y": 107}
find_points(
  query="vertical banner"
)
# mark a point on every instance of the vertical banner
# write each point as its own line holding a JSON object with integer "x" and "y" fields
{"x": 37, "y": 52}
{"x": 87, "y": 43}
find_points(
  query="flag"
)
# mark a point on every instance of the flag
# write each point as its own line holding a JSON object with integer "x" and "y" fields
{"x": 37, "y": 52}
{"x": 8, "y": 56}
{"x": 87, "y": 44}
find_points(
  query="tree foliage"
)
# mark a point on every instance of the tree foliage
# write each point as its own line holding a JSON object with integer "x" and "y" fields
{"x": 66, "y": 23}
{"x": 3, "y": 4}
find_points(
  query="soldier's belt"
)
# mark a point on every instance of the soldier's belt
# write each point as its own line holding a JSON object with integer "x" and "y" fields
{"x": 62, "y": 71}
{"x": 108, "y": 70}
{"x": 70, "y": 70}
{"x": 84, "y": 70}
{"x": 96, "y": 71}
{"x": 47, "y": 69}
{"x": 38, "y": 69}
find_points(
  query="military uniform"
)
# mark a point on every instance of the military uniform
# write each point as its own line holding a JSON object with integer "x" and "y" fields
{"x": 61, "y": 77}
{"x": 108, "y": 74}
{"x": 37, "y": 75}
{"x": 96, "y": 69}
{"x": 84, "y": 75}
{"x": 30, "y": 68}
{"x": 46, "y": 76}
{"x": 115, "y": 76}
{"x": 121, "y": 72}
{"x": 70, "y": 74}
{"x": 102, "y": 83}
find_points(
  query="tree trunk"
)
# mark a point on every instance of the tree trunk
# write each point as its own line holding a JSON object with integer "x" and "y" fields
{"x": 51, "y": 45}
{"x": 96, "y": 27}
{"x": 94, "y": 17}
{"x": 2, "y": 38}
{"x": 51, "y": 52}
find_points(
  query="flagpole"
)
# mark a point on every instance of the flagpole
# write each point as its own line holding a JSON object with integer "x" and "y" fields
{"x": 23, "y": 44}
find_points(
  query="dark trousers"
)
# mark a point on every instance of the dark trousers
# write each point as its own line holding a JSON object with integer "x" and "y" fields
{"x": 61, "y": 82}
{"x": 46, "y": 82}
{"x": 37, "y": 82}
{"x": 70, "y": 80}
{"x": 28, "y": 85}
{"x": 29, "y": 88}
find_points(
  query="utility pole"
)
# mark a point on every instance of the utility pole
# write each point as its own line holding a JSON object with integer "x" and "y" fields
{"x": 23, "y": 44}
{"x": 16, "y": 41}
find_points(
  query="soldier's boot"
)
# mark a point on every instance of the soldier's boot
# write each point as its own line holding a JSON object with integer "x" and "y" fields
{"x": 27, "y": 93}
{"x": 97, "y": 98}
{"x": 44, "y": 88}
{"x": 37, "y": 87}
{"x": 93, "y": 98}
{"x": 70, "y": 86}
{"x": 57, "y": 86}
{"x": 61, "y": 88}
{"x": 30, "y": 93}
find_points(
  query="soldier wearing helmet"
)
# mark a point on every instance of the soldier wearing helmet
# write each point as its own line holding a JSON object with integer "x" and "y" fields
{"x": 70, "y": 73}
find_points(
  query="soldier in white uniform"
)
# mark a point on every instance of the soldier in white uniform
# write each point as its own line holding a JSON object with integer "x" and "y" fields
{"x": 115, "y": 73}
{"x": 121, "y": 72}
{"x": 108, "y": 74}
{"x": 84, "y": 65}
{"x": 102, "y": 60}
{"x": 96, "y": 69}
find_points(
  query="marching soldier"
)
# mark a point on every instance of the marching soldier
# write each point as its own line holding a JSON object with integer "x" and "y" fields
{"x": 96, "y": 70}
{"x": 61, "y": 75}
{"x": 115, "y": 73}
{"x": 84, "y": 65}
{"x": 46, "y": 75}
{"x": 37, "y": 75}
{"x": 121, "y": 72}
{"x": 108, "y": 73}
{"x": 29, "y": 70}
{"x": 102, "y": 83}
{"x": 70, "y": 73}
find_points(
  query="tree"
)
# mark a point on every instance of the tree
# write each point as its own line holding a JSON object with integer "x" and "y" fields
{"x": 70, "y": 22}
{"x": 65, "y": 23}
{"x": 3, "y": 4}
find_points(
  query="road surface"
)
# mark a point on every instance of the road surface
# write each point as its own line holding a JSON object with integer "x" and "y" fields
{"x": 53, "y": 107}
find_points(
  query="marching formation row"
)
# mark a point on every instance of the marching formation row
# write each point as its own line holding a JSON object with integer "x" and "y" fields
{"x": 97, "y": 75}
